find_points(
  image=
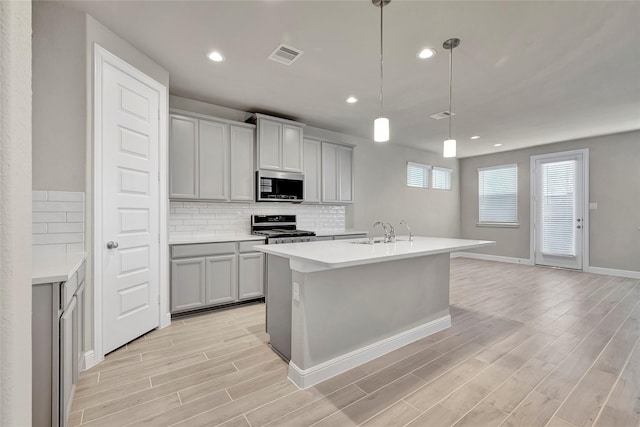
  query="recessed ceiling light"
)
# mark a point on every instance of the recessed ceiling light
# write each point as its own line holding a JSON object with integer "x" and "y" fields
{"x": 497, "y": 145}
{"x": 426, "y": 53}
{"x": 475, "y": 137}
{"x": 215, "y": 56}
{"x": 352, "y": 99}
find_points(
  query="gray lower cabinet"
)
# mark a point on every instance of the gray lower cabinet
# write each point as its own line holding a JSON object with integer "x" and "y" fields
{"x": 57, "y": 348}
{"x": 221, "y": 280}
{"x": 250, "y": 275}
{"x": 211, "y": 274}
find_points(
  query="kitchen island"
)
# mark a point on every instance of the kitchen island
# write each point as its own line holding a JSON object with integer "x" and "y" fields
{"x": 334, "y": 305}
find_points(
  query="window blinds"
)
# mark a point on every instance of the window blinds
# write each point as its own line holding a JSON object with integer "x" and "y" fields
{"x": 498, "y": 194}
{"x": 418, "y": 175}
{"x": 557, "y": 208}
{"x": 441, "y": 178}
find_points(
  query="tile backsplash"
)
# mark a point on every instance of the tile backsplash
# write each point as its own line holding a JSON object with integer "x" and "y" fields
{"x": 58, "y": 222}
{"x": 189, "y": 219}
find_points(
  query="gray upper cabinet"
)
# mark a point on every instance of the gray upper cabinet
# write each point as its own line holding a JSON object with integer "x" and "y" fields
{"x": 337, "y": 173}
{"x": 241, "y": 163}
{"x": 183, "y": 157}
{"x": 279, "y": 144}
{"x": 312, "y": 173}
{"x": 211, "y": 159}
{"x": 214, "y": 160}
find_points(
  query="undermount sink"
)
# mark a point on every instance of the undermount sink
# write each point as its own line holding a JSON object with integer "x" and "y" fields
{"x": 367, "y": 242}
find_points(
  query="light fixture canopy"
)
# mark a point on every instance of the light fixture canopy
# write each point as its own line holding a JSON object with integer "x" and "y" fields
{"x": 215, "y": 56}
{"x": 497, "y": 145}
{"x": 352, "y": 100}
{"x": 449, "y": 146}
{"x": 381, "y": 124}
{"x": 475, "y": 137}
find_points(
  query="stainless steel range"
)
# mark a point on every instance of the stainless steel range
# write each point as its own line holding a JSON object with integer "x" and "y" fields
{"x": 279, "y": 229}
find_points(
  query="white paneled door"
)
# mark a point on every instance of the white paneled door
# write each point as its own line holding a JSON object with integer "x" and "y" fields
{"x": 129, "y": 184}
{"x": 559, "y": 199}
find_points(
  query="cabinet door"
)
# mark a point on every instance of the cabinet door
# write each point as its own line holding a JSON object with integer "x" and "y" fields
{"x": 311, "y": 171}
{"x": 222, "y": 283}
{"x": 67, "y": 356}
{"x": 183, "y": 158}
{"x": 345, "y": 174}
{"x": 292, "y": 148}
{"x": 251, "y": 275}
{"x": 187, "y": 284}
{"x": 329, "y": 172}
{"x": 214, "y": 161}
{"x": 78, "y": 334}
{"x": 269, "y": 145}
{"x": 242, "y": 177}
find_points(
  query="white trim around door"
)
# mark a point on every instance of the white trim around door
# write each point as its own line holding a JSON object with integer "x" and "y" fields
{"x": 102, "y": 57}
{"x": 584, "y": 181}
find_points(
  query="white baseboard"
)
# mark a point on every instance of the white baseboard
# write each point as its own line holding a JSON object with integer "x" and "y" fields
{"x": 165, "y": 320}
{"x": 486, "y": 257}
{"x": 90, "y": 359}
{"x": 305, "y": 378}
{"x": 613, "y": 272}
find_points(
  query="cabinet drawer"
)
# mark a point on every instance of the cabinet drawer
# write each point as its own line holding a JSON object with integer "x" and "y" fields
{"x": 248, "y": 246}
{"x": 68, "y": 290}
{"x": 350, "y": 236}
{"x": 204, "y": 249}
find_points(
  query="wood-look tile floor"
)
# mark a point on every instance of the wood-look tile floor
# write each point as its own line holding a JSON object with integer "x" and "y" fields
{"x": 529, "y": 346}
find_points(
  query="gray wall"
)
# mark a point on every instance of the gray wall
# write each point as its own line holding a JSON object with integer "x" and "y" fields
{"x": 614, "y": 184}
{"x": 380, "y": 174}
{"x": 59, "y": 98}
{"x": 62, "y": 106}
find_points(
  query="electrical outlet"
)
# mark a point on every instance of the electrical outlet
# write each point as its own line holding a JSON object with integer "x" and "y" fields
{"x": 593, "y": 206}
{"x": 296, "y": 292}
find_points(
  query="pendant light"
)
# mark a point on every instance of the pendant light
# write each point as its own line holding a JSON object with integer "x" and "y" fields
{"x": 381, "y": 124}
{"x": 449, "y": 148}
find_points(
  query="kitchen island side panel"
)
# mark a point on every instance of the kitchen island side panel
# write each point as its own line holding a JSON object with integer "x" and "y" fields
{"x": 346, "y": 309}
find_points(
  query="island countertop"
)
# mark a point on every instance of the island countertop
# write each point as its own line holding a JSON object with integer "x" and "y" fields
{"x": 346, "y": 253}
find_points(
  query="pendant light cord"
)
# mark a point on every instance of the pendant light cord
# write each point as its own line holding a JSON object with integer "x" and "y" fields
{"x": 450, "y": 85}
{"x": 381, "y": 60}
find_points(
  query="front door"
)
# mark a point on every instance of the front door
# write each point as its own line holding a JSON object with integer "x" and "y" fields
{"x": 129, "y": 128}
{"x": 559, "y": 218}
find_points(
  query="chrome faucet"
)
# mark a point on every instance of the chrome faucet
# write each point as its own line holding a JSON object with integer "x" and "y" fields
{"x": 391, "y": 235}
{"x": 389, "y": 232}
{"x": 403, "y": 222}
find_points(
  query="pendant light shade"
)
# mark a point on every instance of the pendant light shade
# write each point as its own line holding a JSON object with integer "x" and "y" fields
{"x": 381, "y": 124}
{"x": 449, "y": 146}
{"x": 381, "y": 129}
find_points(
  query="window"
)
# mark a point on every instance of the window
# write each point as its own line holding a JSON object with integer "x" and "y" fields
{"x": 441, "y": 178}
{"x": 418, "y": 175}
{"x": 498, "y": 195}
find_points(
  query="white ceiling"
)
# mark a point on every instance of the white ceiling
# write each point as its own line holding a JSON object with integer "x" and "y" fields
{"x": 526, "y": 72}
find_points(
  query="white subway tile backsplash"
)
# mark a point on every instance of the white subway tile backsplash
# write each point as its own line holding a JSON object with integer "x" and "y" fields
{"x": 58, "y": 222}
{"x": 66, "y": 227}
{"x": 66, "y": 196}
{"x": 187, "y": 219}
{"x": 58, "y": 206}
{"x": 55, "y": 238}
{"x": 49, "y": 217}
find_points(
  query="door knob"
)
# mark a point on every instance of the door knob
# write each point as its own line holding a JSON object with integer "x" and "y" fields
{"x": 112, "y": 245}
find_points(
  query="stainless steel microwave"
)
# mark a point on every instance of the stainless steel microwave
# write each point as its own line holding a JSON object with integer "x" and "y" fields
{"x": 272, "y": 186}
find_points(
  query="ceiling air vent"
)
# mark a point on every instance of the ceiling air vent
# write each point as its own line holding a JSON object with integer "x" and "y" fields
{"x": 285, "y": 54}
{"x": 442, "y": 115}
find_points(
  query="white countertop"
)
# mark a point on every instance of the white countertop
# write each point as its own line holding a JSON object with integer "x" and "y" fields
{"x": 213, "y": 239}
{"x": 55, "y": 267}
{"x": 343, "y": 253}
{"x": 340, "y": 232}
